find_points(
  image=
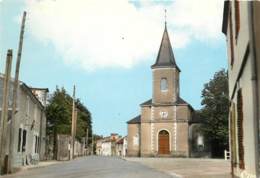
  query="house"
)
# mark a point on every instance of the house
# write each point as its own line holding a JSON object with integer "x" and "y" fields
{"x": 30, "y": 126}
{"x": 107, "y": 146}
{"x": 42, "y": 95}
{"x": 162, "y": 128}
{"x": 99, "y": 147}
{"x": 121, "y": 146}
{"x": 241, "y": 25}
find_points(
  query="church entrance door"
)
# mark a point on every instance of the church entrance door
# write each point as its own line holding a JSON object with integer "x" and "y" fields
{"x": 164, "y": 145}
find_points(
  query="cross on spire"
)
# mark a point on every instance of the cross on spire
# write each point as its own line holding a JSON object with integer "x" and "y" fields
{"x": 165, "y": 56}
{"x": 165, "y": 16}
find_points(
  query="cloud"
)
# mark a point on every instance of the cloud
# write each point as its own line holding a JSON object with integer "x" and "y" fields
{"x": 100, "y": 34}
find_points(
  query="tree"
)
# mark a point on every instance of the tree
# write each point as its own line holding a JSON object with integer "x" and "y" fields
{"x": 84, "y": 123}
{"x": 58, "y": 113}
{"x": 215, "y": 111}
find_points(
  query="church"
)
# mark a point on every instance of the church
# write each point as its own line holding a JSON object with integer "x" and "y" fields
{"x": 162, "y": 128}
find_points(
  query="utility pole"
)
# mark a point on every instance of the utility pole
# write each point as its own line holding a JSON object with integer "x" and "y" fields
{"x": 76, "y": 119}
{"x": 4, "y": 115}
{"x": 73, "y": 124}
{"x": 14, "y": 103}
{"x": 86, "y": 143}
{"x": 86, "y": 138}
{"x": 92, "y": 144}
{"x": 75, "y": 129}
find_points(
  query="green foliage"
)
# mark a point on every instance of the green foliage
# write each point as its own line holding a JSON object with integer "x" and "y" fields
{"x": 59, "y": 113}
{"x": 215, "y": 111}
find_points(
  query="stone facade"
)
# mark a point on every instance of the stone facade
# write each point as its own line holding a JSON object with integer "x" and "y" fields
{"x": 241, "y": 26}
{"x": 162, "y": 129}
{"x": 30, "y": 127}
{"x": 133, "y": 141}
{"x": 64, "y": 147}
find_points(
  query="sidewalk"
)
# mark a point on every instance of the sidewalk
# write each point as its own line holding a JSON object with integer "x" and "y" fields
{"x": 21, "y": 170}
{"x": 28, "y": 167}
{"x": 188, "y": 167}
{"x": 40, "y": 164}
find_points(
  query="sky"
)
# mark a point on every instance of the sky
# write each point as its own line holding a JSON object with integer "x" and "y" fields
{"x": 106, "y": 48}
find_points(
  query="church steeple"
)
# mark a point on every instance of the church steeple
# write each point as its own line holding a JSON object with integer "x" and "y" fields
{"x": 165, "y": 56}
{"x": 165, "y": 74}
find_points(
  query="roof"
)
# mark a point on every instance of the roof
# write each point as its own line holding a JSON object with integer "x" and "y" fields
{"x": 44, "y": 89}
{"x": 120, "y": 140}
{"x": 30, "y": 93}
{"x": 165, "y": 56}
{"x": 135, "y": 120}
{"x": 225, "y": 17}
{"x": 147, "y": 103}
{"x": 25, "y": 88}
{"x": 180, "y": 101}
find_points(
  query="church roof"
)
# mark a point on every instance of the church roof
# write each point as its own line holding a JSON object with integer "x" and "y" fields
{"x": 196, "y": 118}
{"x": 180, "y": 101}
{"x": 147, "y": 103}
{"x": 135, "y": 120}
{"x": 165, "y": 56}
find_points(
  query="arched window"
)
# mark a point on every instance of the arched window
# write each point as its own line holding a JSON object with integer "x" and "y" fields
{"x": 164, "y": 84}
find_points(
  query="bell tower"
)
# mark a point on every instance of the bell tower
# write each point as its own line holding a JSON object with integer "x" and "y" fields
{"x": 165, "y": 74}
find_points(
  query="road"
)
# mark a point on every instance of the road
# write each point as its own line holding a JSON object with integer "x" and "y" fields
{"x": 92, "y": 167}
{"x": 188, "y": 167}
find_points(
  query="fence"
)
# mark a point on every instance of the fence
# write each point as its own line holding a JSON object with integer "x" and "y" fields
{"x": 227, "y": 155}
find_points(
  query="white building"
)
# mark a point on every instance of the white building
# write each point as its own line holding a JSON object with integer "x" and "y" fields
{"x": 106, "y": 148}
{"x": 107, "y": 145}
{"x": 121, "y": 146}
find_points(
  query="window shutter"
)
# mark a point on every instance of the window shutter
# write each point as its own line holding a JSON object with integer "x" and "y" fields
{"x": 240, "y": 129}
{"x": 19, "y": 140}
{"x": 231, "y": 39}
{"x": 237, "y": 16}
{"x": 24, "y": 141}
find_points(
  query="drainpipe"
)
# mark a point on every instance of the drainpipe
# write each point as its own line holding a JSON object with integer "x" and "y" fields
{"x": 254, "y": 78}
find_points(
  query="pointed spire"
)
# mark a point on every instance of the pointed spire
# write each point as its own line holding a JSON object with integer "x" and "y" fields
{"x": 165, "y": 56}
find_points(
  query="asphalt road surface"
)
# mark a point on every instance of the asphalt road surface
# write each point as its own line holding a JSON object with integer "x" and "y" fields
{"x": 92, "y": 167}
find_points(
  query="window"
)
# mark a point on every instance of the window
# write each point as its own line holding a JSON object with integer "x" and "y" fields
{"x": 163, "y": 114}
{"x": 19, "y": 140}
{"x": 136, "y": 140}
{"x": 38, "y": 147}
{"x": 36, "y": 144}
{"x": 164, "y": 85}
{"x": 240, "y": 129}
{"x": 24, "y": 140}
{"x": 231, "y": 39}
{"x": 237, "y": 16}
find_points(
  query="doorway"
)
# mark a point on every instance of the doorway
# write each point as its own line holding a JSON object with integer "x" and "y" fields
{"x": 164, "y": 142}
